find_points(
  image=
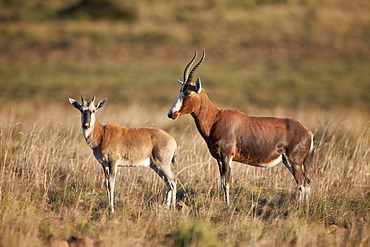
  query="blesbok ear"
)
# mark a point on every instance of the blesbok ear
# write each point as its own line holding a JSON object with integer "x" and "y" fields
{"x": 75, "y": 104}
{"x": 100, "y": 104}
{"x": 198, "y": 86}
{"x": 180, "y": 82}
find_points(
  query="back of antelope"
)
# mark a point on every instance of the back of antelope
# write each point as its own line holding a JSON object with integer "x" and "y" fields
{"x": 234, "y": 136}
{"x": 114, "y": 146}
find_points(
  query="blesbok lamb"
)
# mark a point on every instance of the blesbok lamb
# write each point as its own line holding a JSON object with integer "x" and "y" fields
{"x": 232, "y": 135}
{"x": 115, "y": 146}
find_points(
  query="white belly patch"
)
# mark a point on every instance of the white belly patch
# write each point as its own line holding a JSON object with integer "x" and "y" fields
{"x": 270, "y": 164}
{"x": 143, "y": 163}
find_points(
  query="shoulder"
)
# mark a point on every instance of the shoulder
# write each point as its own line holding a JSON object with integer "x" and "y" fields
{"x": 233, "y": 114}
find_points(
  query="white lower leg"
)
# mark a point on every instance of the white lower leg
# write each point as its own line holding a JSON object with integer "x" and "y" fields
{"x": 225, "y": 189}
{"x": 168, "y": 199}
{"x": 303, "y": 193}
{"x": 171, "y": 194}
{"x": 174, "y": 189}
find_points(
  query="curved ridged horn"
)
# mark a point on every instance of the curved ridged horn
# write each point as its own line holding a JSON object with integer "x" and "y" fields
{"x": 93, "y": 99}
{"x": 190, "y": 77}
{"x": 186, "y": 71}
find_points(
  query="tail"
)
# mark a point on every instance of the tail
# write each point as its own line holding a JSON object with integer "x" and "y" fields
{"x": 173, "y": 161}
{"x": 307, "y": 163}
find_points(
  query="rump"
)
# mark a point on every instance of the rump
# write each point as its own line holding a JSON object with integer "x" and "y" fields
{"x": 164, "y": 147}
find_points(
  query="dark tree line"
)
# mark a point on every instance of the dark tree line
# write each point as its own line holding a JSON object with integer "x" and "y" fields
{"x": 99, "y": 9}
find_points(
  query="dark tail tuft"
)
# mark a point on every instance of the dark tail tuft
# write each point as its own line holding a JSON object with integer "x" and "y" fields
{"x": 307, "y": 163}
{"x": 174, "y": 158}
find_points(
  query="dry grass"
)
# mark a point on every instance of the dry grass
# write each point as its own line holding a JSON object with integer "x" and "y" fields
{"x": 303, "y": 59}
{"x": 51, "y": 187}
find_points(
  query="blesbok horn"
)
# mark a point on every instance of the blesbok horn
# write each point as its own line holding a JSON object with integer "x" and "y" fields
{"x": 190, "y": 76}
{"x": 186, "y": 71}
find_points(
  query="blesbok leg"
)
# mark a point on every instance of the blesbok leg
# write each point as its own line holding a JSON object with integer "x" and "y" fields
{"x": 107, "y": 185}
{"x": 169, "y": 178}
{"x": 287, "y": 165}
{"x": 224, "y": 165}
{"x": 302, "y": 182}
{"x": 110, "y": 173}
{"x": 112, "y": 181}
{"x": 171, "y": 192}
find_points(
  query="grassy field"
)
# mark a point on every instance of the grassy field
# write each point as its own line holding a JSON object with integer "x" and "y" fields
{"x": 51, "y": 186}
{"x": 307, "y": 60}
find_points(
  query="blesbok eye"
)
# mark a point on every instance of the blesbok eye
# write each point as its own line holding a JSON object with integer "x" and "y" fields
{"x": 187, "y": 93}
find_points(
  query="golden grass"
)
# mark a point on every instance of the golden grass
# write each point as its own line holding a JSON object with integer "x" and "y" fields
{"x": 302, "y": 59}
{"x": 51, "y": 186}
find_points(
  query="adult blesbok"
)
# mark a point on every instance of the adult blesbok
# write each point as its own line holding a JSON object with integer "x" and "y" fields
{"x": 114, "y": 146}
{"x": 234, "y": 136}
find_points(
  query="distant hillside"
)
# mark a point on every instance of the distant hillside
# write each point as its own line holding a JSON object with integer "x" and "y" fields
{"x": 234, "y": 29}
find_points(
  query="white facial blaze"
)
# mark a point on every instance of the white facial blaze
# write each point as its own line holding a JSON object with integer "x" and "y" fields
{"x": 178, "y": 104}
{"x": 88, "y": 132}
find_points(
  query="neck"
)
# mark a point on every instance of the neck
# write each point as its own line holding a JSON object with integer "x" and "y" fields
{"x": 205, "y": 115}
{"x": 93, "y": 134}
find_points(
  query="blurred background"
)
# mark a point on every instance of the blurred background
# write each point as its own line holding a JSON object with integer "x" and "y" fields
{"x": 296, "y": 54}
